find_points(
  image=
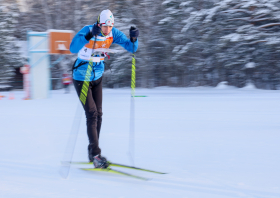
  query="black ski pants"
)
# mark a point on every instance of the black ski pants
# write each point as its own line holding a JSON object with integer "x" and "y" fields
{"x": 93, "y": 111}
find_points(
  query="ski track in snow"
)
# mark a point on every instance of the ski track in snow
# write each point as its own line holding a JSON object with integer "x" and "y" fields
{"x": 213, "y": 143}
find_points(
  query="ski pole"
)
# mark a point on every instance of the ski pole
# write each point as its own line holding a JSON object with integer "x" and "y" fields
{"x": 84, "y": 91}
{"x": 70, "y": 147}
{"x": 131, "y": 127}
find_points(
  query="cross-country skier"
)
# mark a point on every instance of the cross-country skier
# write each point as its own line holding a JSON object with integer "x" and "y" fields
{"x": 87, "y": 76}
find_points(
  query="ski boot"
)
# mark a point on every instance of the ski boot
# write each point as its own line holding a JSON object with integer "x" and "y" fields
{"x": 90, "y": 157}
{"x": 91, "y": 154}
{"x": 100, "y": 162}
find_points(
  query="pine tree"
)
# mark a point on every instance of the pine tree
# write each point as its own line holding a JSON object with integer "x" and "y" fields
{"x": 226, "y": 37}
{"x": 170, "y": 25}
{"x": 9, "y": 56}
{"x": 155, "y": 46}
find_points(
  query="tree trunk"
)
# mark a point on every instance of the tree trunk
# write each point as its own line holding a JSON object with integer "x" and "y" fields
{"x": 47, "y": 14}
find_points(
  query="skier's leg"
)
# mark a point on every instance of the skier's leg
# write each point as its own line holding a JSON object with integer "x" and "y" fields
{"x": 97, "y": 97}
{"x": 98, "y": 161}
{"x": 91, "y": 117}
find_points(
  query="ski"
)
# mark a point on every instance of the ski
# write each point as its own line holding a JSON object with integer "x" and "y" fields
{"x": 135, "y": 168}
{"x": 123, "y": 166}
{"x": 115, "y": 172}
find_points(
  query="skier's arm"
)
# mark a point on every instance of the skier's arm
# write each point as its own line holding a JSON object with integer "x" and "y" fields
{"x": 121, "y": 39}
{"x": 79, "y": 40}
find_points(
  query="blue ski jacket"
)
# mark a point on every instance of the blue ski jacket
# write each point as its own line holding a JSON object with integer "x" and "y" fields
{"x": 83, "y": 47}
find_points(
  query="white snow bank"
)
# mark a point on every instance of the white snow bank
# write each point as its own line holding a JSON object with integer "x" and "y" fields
{"x": 224, "y": 85}
{"x": 249, "y": 86}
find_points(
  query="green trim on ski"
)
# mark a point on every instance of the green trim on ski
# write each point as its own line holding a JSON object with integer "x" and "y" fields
{"x": 135, "y": 168}
{"x": 115, "y": 172}
{"x": 80, "y": 162}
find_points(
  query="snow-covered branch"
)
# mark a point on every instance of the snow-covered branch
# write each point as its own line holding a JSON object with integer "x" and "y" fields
{"x": 238, "y": 10}
{"x": 269, "y": 25}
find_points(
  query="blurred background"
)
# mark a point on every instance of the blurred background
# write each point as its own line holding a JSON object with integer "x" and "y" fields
{"x": 220, "y": 142}
{"x": 182, "y": 43}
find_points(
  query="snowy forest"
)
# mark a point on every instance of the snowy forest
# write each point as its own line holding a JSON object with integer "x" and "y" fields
{"x": 182, "y": 43}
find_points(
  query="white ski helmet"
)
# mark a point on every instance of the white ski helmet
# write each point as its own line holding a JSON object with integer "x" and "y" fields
{"x": 106, "y": 18}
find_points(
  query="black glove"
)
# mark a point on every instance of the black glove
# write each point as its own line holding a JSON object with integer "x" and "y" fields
{"x": 133, "y": 33}
{"x": 96, "y": 30}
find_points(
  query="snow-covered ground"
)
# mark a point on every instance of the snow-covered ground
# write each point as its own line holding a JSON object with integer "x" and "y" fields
{"x": 213, "y": 143}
